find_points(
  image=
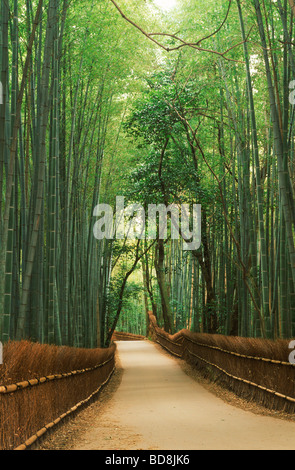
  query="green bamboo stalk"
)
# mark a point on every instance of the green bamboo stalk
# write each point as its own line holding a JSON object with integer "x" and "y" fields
{"x": 284, "y": 178}
{"x": 41, "y": 173}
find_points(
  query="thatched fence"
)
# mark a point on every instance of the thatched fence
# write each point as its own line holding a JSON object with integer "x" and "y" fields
{"x": 42, "y": 385}
{"x": 256, "y": 369}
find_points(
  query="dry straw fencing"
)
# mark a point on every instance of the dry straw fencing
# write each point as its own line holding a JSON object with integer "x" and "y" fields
{"x": 121, "y": 336}
{"x": 43, "y": 385}
{"x": 255, "y": 369}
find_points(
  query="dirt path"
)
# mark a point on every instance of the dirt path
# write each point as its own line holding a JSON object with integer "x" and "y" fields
{"x": 158, "y": 406}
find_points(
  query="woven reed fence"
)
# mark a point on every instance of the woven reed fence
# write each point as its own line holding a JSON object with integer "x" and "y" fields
{"x": 256, "y": 369}
{"x": 33, "y": 406}
{"x": 121, "y": 336}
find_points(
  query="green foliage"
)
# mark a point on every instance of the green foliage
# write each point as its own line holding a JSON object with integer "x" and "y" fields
{"x": 95, "y": 109}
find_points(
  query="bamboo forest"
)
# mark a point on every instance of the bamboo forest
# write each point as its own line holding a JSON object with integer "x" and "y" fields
{"x": 160, "y": 103}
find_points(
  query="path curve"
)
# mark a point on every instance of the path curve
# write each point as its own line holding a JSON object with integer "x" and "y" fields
{"x": 157, "y": 406}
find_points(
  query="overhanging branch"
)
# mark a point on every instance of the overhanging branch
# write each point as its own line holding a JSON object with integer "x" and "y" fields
{"x": 194, "y": 45}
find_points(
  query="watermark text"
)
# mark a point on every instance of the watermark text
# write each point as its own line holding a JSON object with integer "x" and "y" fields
{"x": 135, "y": 223}
{"x": 292, "y": 354}
{"x": 292, "y": 94}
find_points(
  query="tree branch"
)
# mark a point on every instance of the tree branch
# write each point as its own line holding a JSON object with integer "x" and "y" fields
{"x": 195, "y": 45}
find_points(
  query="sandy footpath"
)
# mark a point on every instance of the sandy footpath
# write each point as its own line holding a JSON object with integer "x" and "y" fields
{"x": 158, "y": 406}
